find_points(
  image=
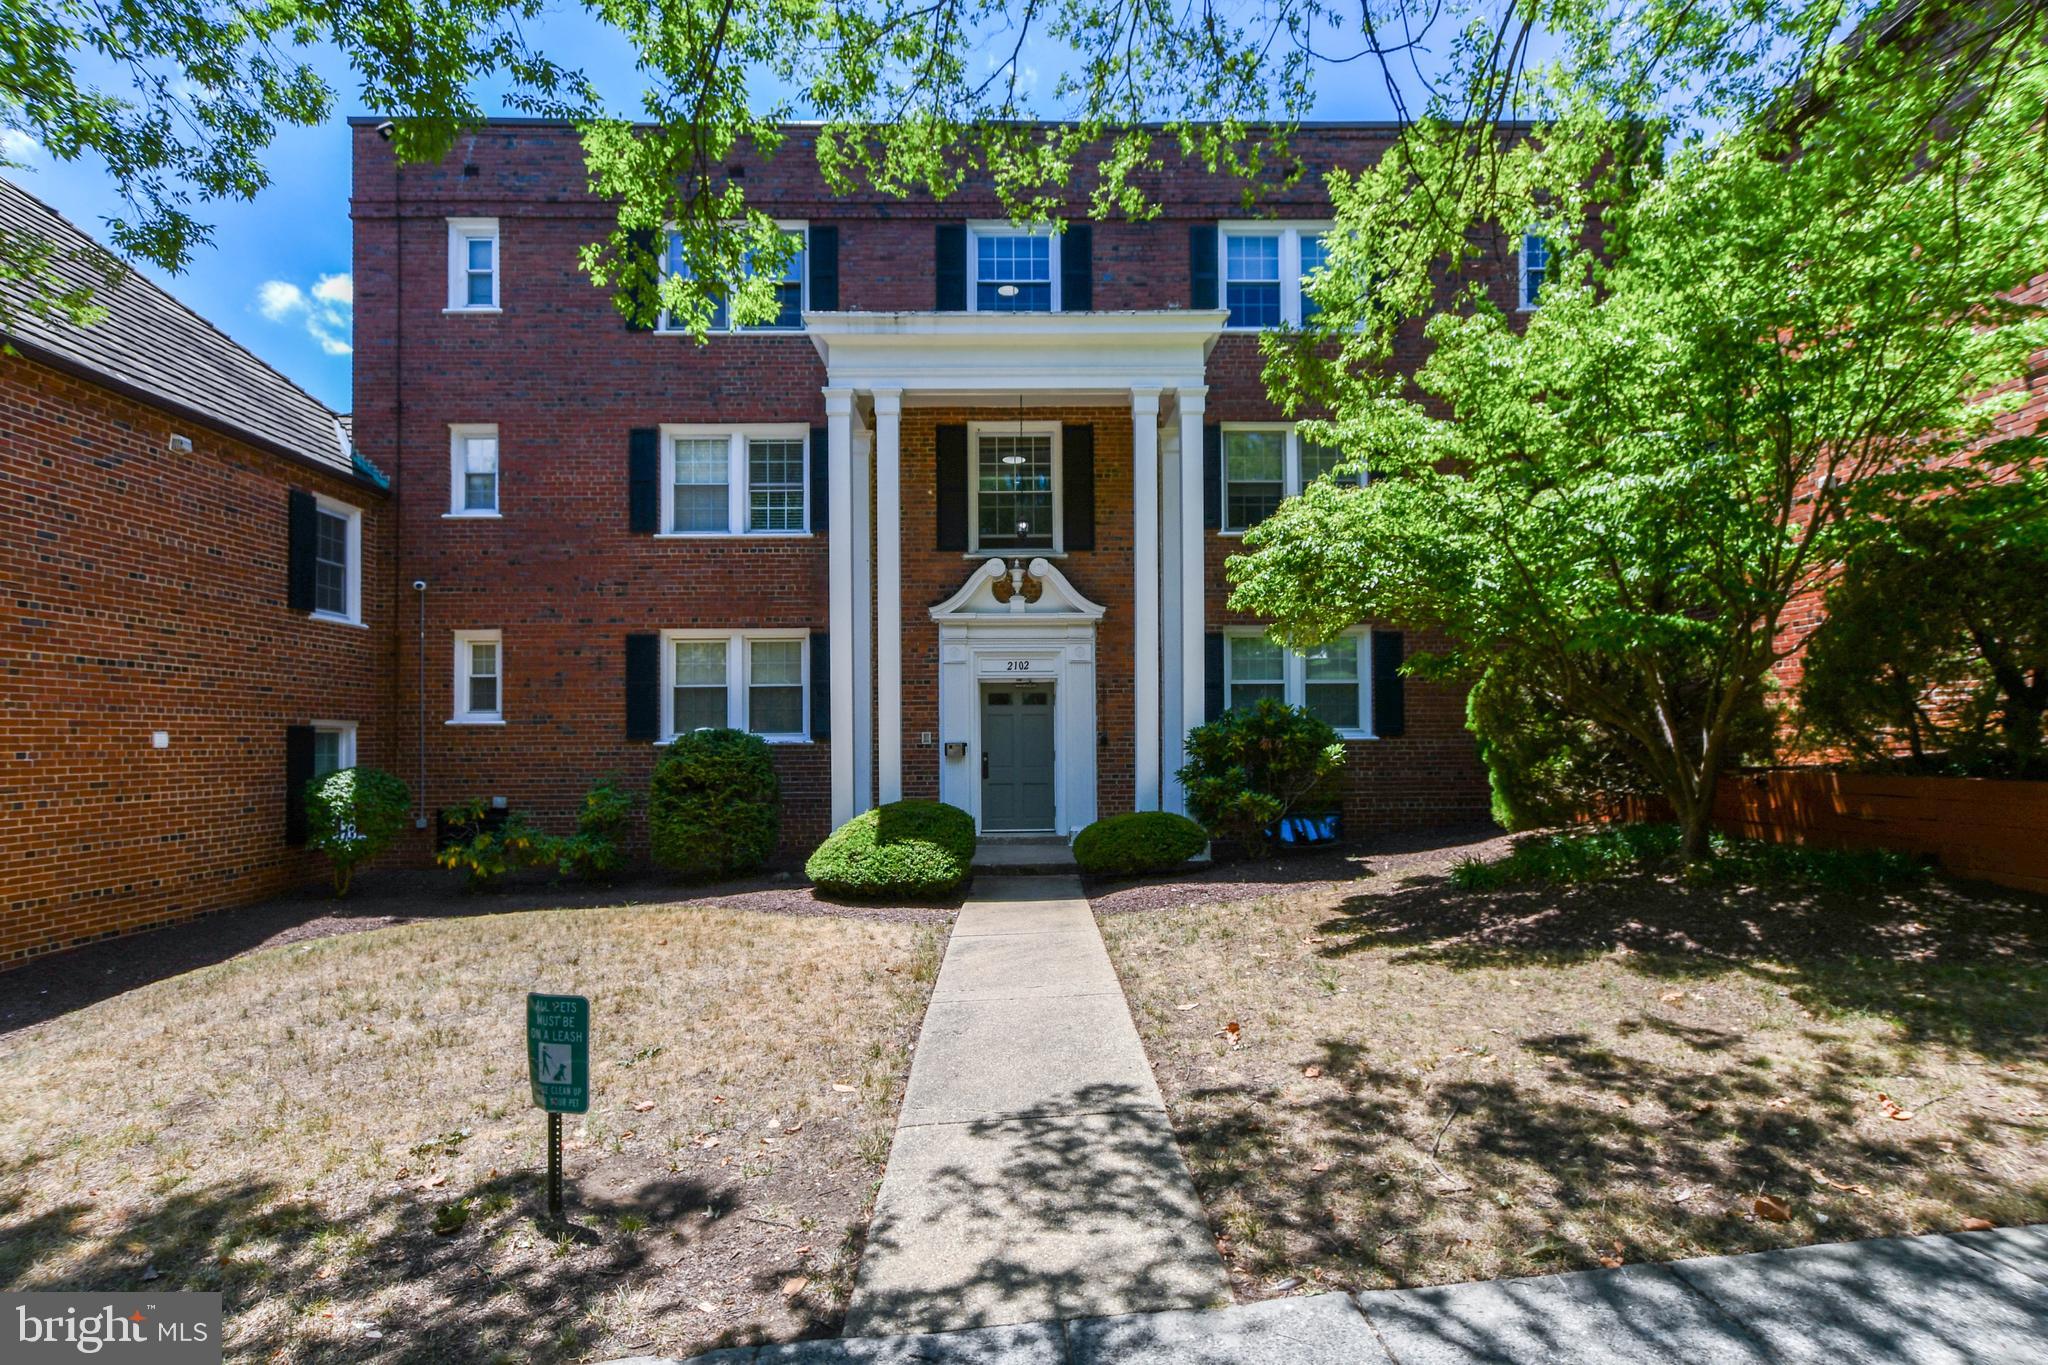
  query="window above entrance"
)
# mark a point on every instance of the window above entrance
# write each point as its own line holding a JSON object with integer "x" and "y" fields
{"x": 1015, "y": 491}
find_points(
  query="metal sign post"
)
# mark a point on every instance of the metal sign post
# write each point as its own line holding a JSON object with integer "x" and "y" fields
{"x": 558, "y": 1066}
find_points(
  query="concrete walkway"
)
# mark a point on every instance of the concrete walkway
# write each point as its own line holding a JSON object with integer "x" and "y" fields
{"x": 1975, "y": 1297}
{"x": 1034, "y": 1175}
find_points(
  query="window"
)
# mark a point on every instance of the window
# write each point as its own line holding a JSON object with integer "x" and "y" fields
{"x": 479, "y": 678}
{"x": 337, "y": 562}
{"x": 334, "y": 746}
{"x": 472, "y": 265}
{"x": 1263, "y": 269}
{"x": 1535, "y": 266}
{"x": 790, "y": 288}
{"x": 1015, "y": 269}
{"x": 748, "y": 680}
{"x": 473, "y": 471}
{"x": 1015, "y": 489}
{"x": 1330, "y": 682}
{"x": 1264, "y": 464}
{"x": 720, "y": 481}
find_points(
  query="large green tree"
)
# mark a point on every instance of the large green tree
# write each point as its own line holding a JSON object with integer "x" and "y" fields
{"x": 1607, "y": 504}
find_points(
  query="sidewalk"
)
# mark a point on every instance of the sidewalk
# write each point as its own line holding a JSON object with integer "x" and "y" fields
{"x": 1034, "y": 1174}
{"x": 1976, "y": 1297}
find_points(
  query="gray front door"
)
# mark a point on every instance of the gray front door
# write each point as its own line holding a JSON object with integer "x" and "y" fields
{"x": 1016, "y": 758}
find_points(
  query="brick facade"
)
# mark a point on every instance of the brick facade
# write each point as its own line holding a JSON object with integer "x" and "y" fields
{"x": 146, "y": 592}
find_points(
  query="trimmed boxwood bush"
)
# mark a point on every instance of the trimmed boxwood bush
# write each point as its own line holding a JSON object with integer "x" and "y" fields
{"x": 914, "y": 849}
{"x": 352, "y": 815}
{"x": 714, "y": 808}
{"x": 1142, "y": 841}
{"x": 1251, "y": 767}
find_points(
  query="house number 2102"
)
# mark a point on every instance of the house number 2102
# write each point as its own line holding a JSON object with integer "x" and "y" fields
{"x": 1017, "y": 666}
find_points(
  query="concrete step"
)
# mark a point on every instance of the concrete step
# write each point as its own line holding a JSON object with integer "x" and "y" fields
{"x": 1026, "y": 856}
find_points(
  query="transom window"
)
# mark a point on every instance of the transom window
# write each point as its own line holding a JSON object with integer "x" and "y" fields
{"x": 736, "y": 480}
{"x": 1264, "y": 464}
{"x": 472, "y": 264}
{"x": 1015, "y": 269}
{"x": 473, "y": 471}
{"x": 479, "y": 678}
{"x": 1016, "y": 486}
{"x": 1264, "y": 265}
{"x": 790, "y": 287}
{"x": 337, "y": 561}
{"x": 748, "y": 680}
{"x": 1331, "y": 682}
{"x": 1535, "y": 267}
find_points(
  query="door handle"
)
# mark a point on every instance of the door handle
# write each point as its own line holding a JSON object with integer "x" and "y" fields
{"x": 984, "y": 763}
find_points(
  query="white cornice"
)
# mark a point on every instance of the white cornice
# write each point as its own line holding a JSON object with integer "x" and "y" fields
{"x": 988, "y": 353}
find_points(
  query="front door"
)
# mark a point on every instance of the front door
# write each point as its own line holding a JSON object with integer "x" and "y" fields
{"x": 1016, "y": 758}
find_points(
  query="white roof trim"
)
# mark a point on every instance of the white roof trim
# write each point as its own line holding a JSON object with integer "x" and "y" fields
{"x": 966, "y": 353}
{"x": 976, "y": 599}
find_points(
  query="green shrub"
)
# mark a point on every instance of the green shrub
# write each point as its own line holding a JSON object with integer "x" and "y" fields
{"x": 596, "y": 849}
{"x": 1251, "y": 767}
{"x": 1609, "y": 850}
{"x": 352, "y": 815}
{"x": 715, "y": 807}
{"x": 484, "y": 855}
{"x": 1142, "y": 841}
{"x": 913, "y": 849}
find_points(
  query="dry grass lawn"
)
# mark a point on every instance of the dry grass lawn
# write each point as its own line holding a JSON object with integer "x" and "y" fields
{"x": 1426, "y": 1085}
{"x": 337, "y": 1135}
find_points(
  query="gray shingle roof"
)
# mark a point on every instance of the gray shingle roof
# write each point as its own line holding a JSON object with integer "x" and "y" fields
{"x": 152, "y": 345}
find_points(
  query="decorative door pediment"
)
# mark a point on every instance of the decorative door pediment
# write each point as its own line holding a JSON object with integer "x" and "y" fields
{"x": 1036, "y": 592}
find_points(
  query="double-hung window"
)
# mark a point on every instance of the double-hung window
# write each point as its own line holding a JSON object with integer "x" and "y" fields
{"x": 337, "y": 561}
{"x": 1015, "y": 488}
{"x": 1331, "y": 682}
{"x": 1265, "y": 266}
{"x": 791, "y": 285}
{"x": 751, "y": 480}
{"x": 473, "y": 266}
{"x": 334, "y": 746}
{"x": 479, "y": 678}
{"x": 746, "y": 680}
{"x": 472, "y": 471}
{"x": 1016, "y": 269}
{"x": 1265, "y": 463}
{"x": 1535, "y": 265}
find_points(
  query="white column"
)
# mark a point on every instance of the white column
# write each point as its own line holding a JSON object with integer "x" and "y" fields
{"x": 863, "y": 627}
{"x": 839, "y": 561}
{"x": 1194, "y": 574}
{"x": 1172, "y": 604}
{"x": 1145, "y": 596}
{"x": 889, "y": 590}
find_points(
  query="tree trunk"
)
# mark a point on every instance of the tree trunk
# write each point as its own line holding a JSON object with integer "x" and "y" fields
{"x": 1696, "y": 821}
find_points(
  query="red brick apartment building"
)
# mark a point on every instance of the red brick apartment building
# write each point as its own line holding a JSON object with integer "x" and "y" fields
{"x": 197, "y": 611}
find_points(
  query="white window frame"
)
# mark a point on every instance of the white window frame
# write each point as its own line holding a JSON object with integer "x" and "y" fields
{"x": 1290, "y": 234}
{"x": 1523, "y": 304}
{"x": 736, "y": 500}
{"x": 346, "y": 750}
{"x": 352, "y": 577}
{"x": 975, "y": 431}
{"x": 462, "y": 231}
{"x": 798, "y": 228}
{"x": 461, "y": 714}
{"x": 458, "y": 471}
{"x": 1294, "y": 675}
{"x": 739, "y": 663}
{"x": 996, "y": 227}
{"x": 1291, "y": 482}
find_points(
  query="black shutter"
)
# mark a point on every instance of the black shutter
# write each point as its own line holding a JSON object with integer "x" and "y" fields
{"x": 1077, "y": 268}
{"x": 643, "y": 686}
{"x": 643, "y": 480}
{"x": 1202, "y": 265}
{"x": 298, "y": 771}
{"x": 952, "y": 489}
{"x": 1389, "y": 699}
{"x": 1077, "y": 486}
{"x": 821, "y": 478}
{"x": 821, "y": 684}
{"x": 825, "y": 269}
{"x": 303, "y": 523}
{"x": 950, "y": 268}
{"x": 1212, "y": 476}
{"x": 1212, "y": 674}
{"x": 642, "y": 284}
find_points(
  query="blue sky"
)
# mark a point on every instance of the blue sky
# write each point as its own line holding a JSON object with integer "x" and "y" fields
{"x": 277, "y": 274}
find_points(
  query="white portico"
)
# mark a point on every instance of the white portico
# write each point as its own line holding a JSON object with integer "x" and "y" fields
{"x": 877, "y": 365}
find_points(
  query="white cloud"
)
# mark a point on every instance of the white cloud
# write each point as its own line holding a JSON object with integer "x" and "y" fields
{"x": 327, "y": 313}
{"x": 18, "y": 147}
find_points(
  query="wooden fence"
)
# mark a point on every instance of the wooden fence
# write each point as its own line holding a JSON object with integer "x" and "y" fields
{"x": 1977, "y": 827}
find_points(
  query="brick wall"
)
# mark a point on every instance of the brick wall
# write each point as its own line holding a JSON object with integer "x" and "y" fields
{"x": 146, "y": 592}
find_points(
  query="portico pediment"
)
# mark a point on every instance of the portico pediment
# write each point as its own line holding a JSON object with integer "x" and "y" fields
{"x": 1036, "y": 593}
